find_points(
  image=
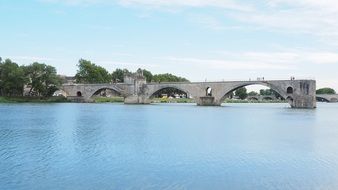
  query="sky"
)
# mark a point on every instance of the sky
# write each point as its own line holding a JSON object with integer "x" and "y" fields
{"x": 201, "y": 40}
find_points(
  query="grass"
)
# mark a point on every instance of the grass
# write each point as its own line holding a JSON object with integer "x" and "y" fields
{"x": 115, "y": 99}
{"x": 28, "y": 99}
{"x": 187, "y": 100}
{"x": 174, "y": 100}
{"x": 253, "y": 101}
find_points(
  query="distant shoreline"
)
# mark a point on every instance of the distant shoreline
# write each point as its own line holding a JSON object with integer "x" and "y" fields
{"x": 28, "y": 99}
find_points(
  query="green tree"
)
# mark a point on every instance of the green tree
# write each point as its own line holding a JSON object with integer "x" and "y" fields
{"x": 325, "y": 91}
{"x": 12, "y": 79}
{"x": 118, "y": 75}
{"x": 42, "y": 79}
{"x": 167, "y": 77}
{"x": 241, "y": 93}
{"x": 1, "y": 83}
{"x": 88, "y": 72}
{"x": 266, "y": 92}
{"x": 252, "y": 93}
{"x": 148, "y": 75}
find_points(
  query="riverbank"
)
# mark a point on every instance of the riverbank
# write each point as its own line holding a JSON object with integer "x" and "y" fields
{"x": 187, "y": 100}
{"x": 173, "y": 100}
{"x": 253, "y": 101}
{"x": 114, "y": 99}
{"x": 28, "y": 99}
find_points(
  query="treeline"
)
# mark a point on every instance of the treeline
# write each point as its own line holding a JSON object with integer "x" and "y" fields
{"x": 41, "y": 79}
{"x": 325, "y": 91}
{"x": 243, "y": 94}
{"x": 89, "y": 72}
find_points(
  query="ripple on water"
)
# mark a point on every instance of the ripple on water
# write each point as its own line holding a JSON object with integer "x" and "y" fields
{"x": 113, "y": 146}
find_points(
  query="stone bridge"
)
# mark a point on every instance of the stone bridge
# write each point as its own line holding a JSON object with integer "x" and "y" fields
{"x": 299, "y": 93}
{"x": 327, "y": 97}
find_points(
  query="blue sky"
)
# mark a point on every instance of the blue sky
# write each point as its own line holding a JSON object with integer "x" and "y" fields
{"x": 201, "y": 40}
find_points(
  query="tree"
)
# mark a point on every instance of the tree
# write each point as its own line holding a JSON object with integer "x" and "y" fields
{"x": 118, "y": 75}
{"x": 43, "y": 79}
{"x": 252, "y": 93}
{"x": 0, "y": 76}
{"x": 148, "y": 75}
{"x": 168, "y": 78}
{"x": 241, "y": 93}
{"x": 325, "y": 91}
{"x": 12, "y": 79}
{"x": 266, "y": 92}
{"x": 88, "y": 72}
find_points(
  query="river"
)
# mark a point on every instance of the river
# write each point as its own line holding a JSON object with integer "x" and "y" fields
{"x": 168, "y": 146}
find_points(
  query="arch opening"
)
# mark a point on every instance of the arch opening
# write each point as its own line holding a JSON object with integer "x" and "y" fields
{"x": 78, "y": 93}
{"x": 208, "y": 91}
{"x": 107, "y": 95}
{"x": 289, "y": 90}
{"x": 257, "y": 92}
{"x": 252, "y": 98}
{"x": 60, "y": 93}
{"x": 321, "y": 99}
{"x": 268, "y": 98}
{"x": 171, "y": 95}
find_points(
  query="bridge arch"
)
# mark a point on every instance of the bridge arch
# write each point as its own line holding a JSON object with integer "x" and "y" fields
{"x": 208, "y": 91}
{"x": 60, "y": 92}
{"x": 106, "y": 88}
{"x": 268, "y": 98}
{"x": 96, "y": 91}
{"x": 157, "y": 89}
{"x": 322, "y": 99}
{"x": 253, "y": 98}
{"x": 278, "y": 89}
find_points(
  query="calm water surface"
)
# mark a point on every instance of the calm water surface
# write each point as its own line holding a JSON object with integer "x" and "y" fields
{"x": 168, "y": 146}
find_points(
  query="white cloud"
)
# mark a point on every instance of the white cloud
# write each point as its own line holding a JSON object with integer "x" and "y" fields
{"x": 30, "y": 59}
{"x": 307, "y": 17}
{"x": 304, "y": 17}
{"x": 227, "y": 4}
{"x": 283, "y": 60}
{"x": 293, "y": 57}
{"x": 124, "y": 64}
{"x": 327, "y": 5}
{"x": 229, "y": 64}
{"x": 72, "y": 2}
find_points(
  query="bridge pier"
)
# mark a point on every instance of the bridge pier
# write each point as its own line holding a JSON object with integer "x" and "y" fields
{"x": 136, "y": 99}
{"x": 207, "y": 101}
{"x": 303, "y": 102}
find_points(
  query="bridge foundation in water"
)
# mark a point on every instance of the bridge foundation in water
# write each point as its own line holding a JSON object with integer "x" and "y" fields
{"x": 207, "y": 101}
